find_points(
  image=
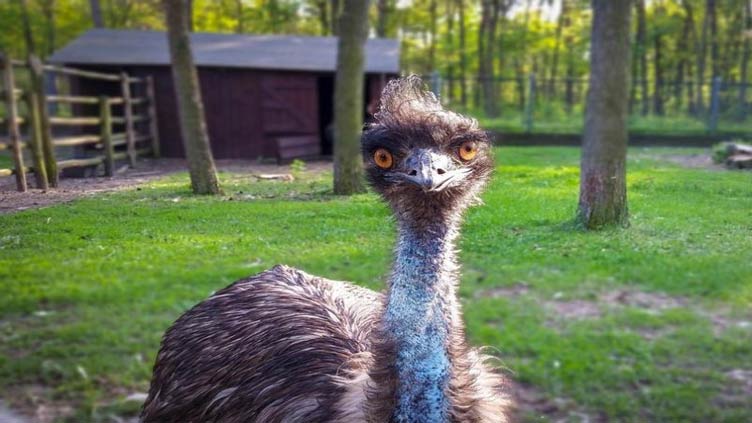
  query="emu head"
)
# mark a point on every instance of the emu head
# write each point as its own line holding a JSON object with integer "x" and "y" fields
{"x": 428, "y": 163}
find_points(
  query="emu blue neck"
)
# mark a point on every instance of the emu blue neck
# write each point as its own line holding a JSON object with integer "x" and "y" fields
{"x": 418, "y": 316}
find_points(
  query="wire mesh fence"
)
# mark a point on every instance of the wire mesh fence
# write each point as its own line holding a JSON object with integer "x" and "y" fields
{"x": 531, "y": 104}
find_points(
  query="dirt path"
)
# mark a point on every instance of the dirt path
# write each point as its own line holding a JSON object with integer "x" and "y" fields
{"x": 146, "y": 170}
{"x": 8, "y": 416}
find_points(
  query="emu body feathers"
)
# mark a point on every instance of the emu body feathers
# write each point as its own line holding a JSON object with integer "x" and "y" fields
{"x": 285, "y": 346}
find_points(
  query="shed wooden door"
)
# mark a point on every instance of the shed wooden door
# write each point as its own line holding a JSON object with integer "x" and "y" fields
{"x": 290, "y": 109}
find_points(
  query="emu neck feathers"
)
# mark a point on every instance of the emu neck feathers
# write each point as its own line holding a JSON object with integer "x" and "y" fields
{"x": 419, "y": 316}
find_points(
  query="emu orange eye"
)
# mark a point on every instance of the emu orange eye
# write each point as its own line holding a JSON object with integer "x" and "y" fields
{"x": 383, "y": 158}
{"x": 468, "y": 150}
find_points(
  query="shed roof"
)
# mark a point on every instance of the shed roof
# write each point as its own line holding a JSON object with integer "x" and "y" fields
{"x": 282, "y": 52}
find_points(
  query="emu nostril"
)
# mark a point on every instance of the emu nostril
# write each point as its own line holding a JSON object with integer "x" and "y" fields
{"x": 413, "y": 172}
{"x": 440, "y": 171}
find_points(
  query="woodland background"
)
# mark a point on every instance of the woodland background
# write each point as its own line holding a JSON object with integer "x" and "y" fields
{"x": 485, "y": 52}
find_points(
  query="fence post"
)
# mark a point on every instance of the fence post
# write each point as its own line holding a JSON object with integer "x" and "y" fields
{"x": 128, "y": 111}
{"x": 153, "y": 128}
{"x": 35, "y": 141}
{"x": 14, "y": 135}
{"x": 715, "y": 105}
{"x": 105, "y": 116}
{"x": 37, "y": 83}
{"x": 530, "y": 105}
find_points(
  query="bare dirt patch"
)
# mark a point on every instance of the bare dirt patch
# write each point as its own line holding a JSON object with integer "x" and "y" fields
{"x": 146, "y": 170}
{"x": 516, "y": 290}
{"x": 693, "y": 161}
{"x": 650, "y": 301}
{"x": 531, "y": 404}
{"x": 34, "y": 403}
{"x": 573, "y": 309}
{"x": 561, "y": 310}
{"x": 738, "y": 390}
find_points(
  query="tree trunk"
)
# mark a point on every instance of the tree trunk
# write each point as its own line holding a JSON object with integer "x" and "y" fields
{"x": 463, "y": 55}
{"x": 450, "y": 49}
{"x": 322, "y": 7}
{"x": 519, "y": 64}
{"x": 641, "y": 47}
{"x": 96, "y": 13}
{"x": 188, "y": 94}
{"x": 551, "y": 90}
{"x": 334, "y": 17}
{"x": 682, "y": 47}
{"x": 690, "y": 21}
{"x": 658, "y": 76}
{"x": 240, "y": 27}
{"x": 746, "y": 55}
{"x": 702, "y": 52}
{"x": 491, "y": 100}
{"x": 569, "y": 86}
{"x": 48, "y": 10}
{"x": 432, "y": 10}
{"x": 382, "y": 15}
{"x": 348, "y": 98}
{"x": 603, "y": 190}
{"x": 714, "y": 57}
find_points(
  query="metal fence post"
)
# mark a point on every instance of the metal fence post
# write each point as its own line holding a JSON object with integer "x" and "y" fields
{"x": 715, "y": 104}
{"x": 530, "y": 105}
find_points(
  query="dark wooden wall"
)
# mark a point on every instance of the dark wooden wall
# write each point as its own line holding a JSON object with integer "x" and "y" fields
{"x": 246, "y": 110}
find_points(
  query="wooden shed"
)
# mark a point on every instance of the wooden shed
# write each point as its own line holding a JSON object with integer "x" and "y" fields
{"x": 264, "y": 96}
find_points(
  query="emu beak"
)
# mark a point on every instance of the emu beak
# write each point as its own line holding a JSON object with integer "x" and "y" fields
{"x": 428, "y": 170}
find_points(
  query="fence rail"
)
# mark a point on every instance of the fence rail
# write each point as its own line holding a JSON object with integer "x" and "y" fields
{"x": 36, "y": 131}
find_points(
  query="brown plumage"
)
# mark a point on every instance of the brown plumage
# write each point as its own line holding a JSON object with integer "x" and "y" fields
{"x": 285, "y": 346}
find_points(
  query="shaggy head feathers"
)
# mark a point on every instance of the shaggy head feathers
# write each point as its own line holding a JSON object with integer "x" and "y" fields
{"x": 411, "y": 118}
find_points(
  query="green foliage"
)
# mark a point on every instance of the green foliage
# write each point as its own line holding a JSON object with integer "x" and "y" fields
{"x": 297, "y": 167}
{"x": 721, "y": 151}
{"x": 90, "y": 286}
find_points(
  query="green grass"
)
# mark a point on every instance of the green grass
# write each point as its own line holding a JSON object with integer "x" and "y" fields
{"x": 6, "y": 162}
{"x": 89, "y": 287}
{"x": 554, "y": 120}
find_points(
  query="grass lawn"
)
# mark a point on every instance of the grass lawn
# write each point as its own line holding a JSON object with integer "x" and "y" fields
{"x": 6, "y": 161}
{"x": 552, "y": 120}
{"x": 652, "y": 323}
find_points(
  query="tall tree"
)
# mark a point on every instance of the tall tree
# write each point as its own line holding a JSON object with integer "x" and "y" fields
{"x": 48, "y": 10}
{"x": 640, "y": 55}
{"x": 433, "y": 14}
{"x": 190, "y": 107}
{"x": 240, "y": 12}
{"x": 348, "y": 97}
{"x": 682, "y": 49}
{"x": 382, "y": 16}
{"x": 560, "y": 23}
{"x": 603, "y": 189}
{"x": 702, "y": 53}
{"x": 491, "y": 9}
{"x": 96, "y": 13}
{"x": 449, "y": 45}
{"x": 746, "y": 55}
{"x": 714, "y": 52}
{"x": 658, "y": 69}
{"x": 463, "y": 54}
{"x": 335, "y": 15}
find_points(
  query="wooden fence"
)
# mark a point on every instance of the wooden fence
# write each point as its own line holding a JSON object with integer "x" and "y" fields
{"x": 38, "y": 134}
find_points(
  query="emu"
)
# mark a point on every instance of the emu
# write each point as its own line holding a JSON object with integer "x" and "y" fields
{"x": 285, "y": 346}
